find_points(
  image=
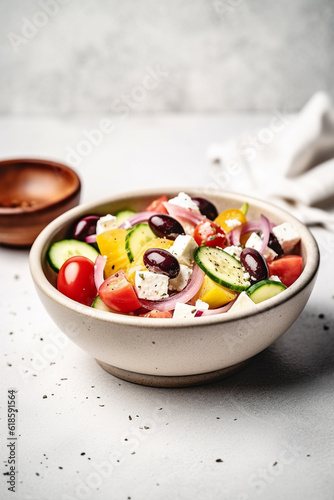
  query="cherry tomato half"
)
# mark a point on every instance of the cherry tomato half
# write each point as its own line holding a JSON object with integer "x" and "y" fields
{"x": 210, "y": 234}
{"x": 76, "y": 280}
{"x": 157, "y": 205}
{"x": 287, "y": 268}
{"x": 118, "y": 294}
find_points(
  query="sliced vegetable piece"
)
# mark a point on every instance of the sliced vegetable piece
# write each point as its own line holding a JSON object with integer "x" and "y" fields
{"x": 213, "y": 294}
{"x": 288, "y": 268}
{"x": 252, "y": 226}
{"x": 229, "y": 219}
{"x": 219, "y": 310}
{"x": 244, "y": 208}
{"x": 118, "y": 294}
{"x": 112, "y": 244}
{"x": 62, "y": 250}
{"x": 137, "y": 238}
{"x": 264, "y": 290}
{"x": 76, "y": 279}
{"x": 265, "y": 227}
{"x": 157, "y": 205}
{"x": 157, "y": 314}
{"x": 184, "y": 214}
{"x": 99, "y": 304}
{"x": 90, "y": 238}
{"x": 210, "y": 234}
{"x": 222, "y": 268}
{"x": 137, "y": 218}
{"x": 99, "y": 270}
{"x": 123, "y": 215}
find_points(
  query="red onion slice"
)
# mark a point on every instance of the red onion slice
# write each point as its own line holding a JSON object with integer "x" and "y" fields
{"x": 91, "y": 238}
{"x": 234, "y": 236}
{"x": 184, "y": 296}
{"x": 199, "y": 313}
{"x": 219, "y": 310}
{"x": 252, "y": 226}
{"x": 248, "y": 227}
{"x": 185, "y": 214}
{"x": 98, "y": 270}
{"x": 138, "y": 219}
{"x": 265, "y": 228}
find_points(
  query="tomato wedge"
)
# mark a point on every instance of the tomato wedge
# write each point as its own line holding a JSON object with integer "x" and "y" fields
{"x": 76, "y": 280}
{"x": 210, "y": 234}
{"x": 287, "y": 268}
{"x": 157, "y": 205}
{"x": 157, "y": 314}
{"x": 118, "y": 294}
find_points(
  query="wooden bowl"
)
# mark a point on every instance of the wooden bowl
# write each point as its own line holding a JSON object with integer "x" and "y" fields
{"x": 32, "y": 194}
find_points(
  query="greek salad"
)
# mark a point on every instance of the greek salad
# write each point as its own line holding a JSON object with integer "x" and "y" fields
{"x": 179, "y": 258}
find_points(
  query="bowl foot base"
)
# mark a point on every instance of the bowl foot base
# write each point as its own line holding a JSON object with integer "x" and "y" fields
{"x": 172, "y": 381}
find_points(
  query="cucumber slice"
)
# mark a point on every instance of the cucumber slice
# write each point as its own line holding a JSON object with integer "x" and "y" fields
{"x": 137, "y": 238}
{"x": 99, "y": 304}
{"x": 264, "y": 290}
{"x": 62, "y": 250}
{"x": 244, "y": 208}
{"x": 222, "y": 268}
{"x": 123, "y": 215}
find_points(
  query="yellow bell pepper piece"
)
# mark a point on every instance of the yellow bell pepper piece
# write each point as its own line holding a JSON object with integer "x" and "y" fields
{"x": 112, "y": 244}
{"x": 230, "y": 219}
{"x": 213, "y": 294}
{"x": 138, "y": 265}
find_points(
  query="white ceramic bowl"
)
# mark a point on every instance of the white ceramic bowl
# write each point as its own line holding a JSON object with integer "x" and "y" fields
{"x": 168, "y": 352}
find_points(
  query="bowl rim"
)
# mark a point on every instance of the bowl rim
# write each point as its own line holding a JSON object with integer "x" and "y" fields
{"x": 43, "y": 284}
{"x": 45, "y": 206}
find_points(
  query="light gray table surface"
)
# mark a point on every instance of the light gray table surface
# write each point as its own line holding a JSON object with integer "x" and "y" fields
{"x": 266, "y": 432}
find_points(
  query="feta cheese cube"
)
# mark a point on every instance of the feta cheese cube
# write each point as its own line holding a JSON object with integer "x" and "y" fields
{"x": 232, "y": 223}
{"x": 243, "y": 303}
{"x": 184, "y": 311}
{"x": 184, "y": 248}
{"x": 151, "y": 286}
{"x": 234, "y": 251}
{"x": 179, "y": 283}
{"x": 254, "y": 241}
{"x": 287, "y": 236}
{"x": 201, "y": 305}
{"x": 184, "y": 200}
{"x": 106, "y": 223}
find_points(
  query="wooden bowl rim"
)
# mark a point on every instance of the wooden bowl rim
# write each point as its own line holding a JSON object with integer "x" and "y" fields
{"x": 75, "y": 185}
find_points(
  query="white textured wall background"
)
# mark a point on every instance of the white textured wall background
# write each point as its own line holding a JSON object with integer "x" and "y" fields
{"x": 219, "y": 54}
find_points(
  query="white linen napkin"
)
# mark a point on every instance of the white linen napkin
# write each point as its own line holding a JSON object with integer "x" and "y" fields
{"x": 290, "y": 161}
